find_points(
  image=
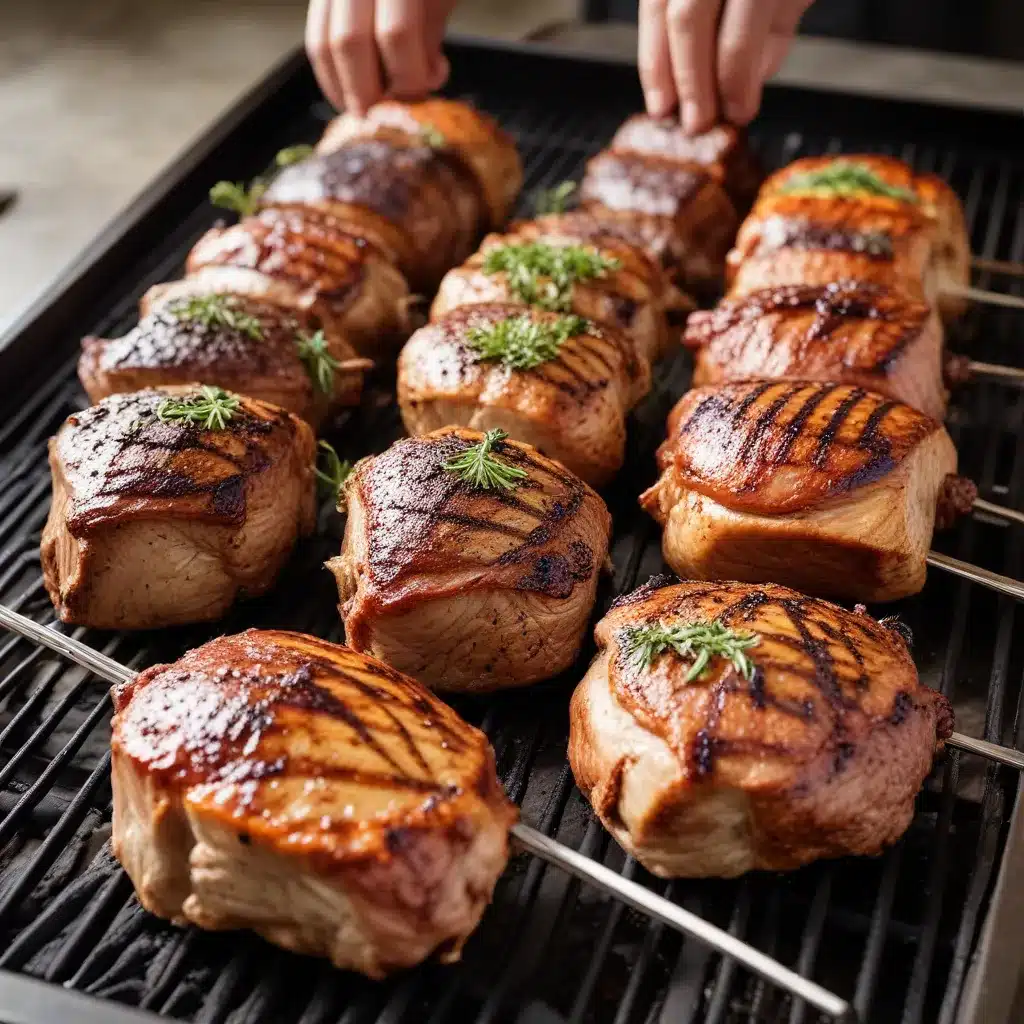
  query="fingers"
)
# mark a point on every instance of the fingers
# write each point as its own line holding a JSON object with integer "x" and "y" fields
{"x": 742, "y": 38}
{"x": 654, "y": 59}
{"x": 437, "y": 64}
{"x": 401, "y": 35}
{"x": 354, "y": 54}
{"x": 691, "y": 36}
{"x": 318, "y": 31}
{"x": 784, "y": 27}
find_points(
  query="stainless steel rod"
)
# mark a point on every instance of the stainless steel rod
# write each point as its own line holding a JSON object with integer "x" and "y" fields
{"x": 993, "y": 580}
{"x": 995, "y": 371}
{"x": 540, "y": 845}
{"x": 981, "y": 295}
{"x": 668, "y": 913}
{"x": 993, "y": 751}
{"x": 989, "y": 266}
{"x": 981, "y": 505}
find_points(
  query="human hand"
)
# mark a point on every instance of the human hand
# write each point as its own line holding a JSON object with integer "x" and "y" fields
{"x": 362, "y": 50}
{"x": 711, "y": 57}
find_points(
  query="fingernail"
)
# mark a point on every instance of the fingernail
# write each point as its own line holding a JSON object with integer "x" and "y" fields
{"x": 659, "y": 103}
{"x": 691, "y": 117}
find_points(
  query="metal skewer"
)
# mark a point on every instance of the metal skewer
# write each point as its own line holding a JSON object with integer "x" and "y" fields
{"x": 981, "y": 505}
{"x": 981, "y": 295}
{"x": 993, "y": 580}
{"x": 547, "y": 849}
{"x": 990, "y": 266}
{"x": 994, "y": 371}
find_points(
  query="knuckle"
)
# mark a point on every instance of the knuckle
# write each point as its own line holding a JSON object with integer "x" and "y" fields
{"x": 347, "y": 43}
{"x": 685, "y": 14}
{"x": 397, "y": 34}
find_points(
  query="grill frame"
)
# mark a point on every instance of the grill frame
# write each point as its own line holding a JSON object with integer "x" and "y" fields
{"x": 146, "y": 245}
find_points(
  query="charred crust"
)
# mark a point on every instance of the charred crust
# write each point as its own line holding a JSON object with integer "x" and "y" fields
{"x": 655, "y": 583}
{"x": 955, "y": 500}
{"x": 622, "y": 179}
{"x": 898, "y": 627}
{"x": 556, "y": 575}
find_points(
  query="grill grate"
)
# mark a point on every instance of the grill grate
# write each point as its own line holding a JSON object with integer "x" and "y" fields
{"x": 894, "y": 935}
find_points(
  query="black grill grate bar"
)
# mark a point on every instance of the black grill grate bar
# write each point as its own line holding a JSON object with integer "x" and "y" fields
{"x": 638, "y": 975}
{"x": 867, "y": 977}
{"x": 727, "y": 968}
{"x": 811, "y": 942}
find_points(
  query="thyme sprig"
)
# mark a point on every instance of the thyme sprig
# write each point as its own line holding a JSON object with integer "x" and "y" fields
{"x": 846, "y": 178}
{"x": 319, "y": 363}
{"x": 334, "y": 474}
{"x": 293, "y": 155}
{"x": 217, "y": 311}
{"x": 554, "y": 200}
{"x": 245, "y": 199}
{"x": 701, "y": 641}
{"x": 212, "y": 408}
{"x": 543, "y": 275}
{"x": 479, "y": 466}
{"x": 521, "y": 343}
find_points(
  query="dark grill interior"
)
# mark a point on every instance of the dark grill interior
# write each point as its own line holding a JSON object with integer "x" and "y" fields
{"x": 894, "y": 935}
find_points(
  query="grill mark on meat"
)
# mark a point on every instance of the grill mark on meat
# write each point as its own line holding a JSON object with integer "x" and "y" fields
{"x": 789, "y": 233}
{"x": 624, "y": 180}
{"x": 793, "y": 429}
{"x": 766, "y": 419}
{"x": 825, "y": 441}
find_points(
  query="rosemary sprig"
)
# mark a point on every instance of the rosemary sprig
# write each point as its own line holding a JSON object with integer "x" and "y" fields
{"x": 846, "y": 178}
{"x": 701, "y": 641}
{"x": 521, "y": 343}
{"x": 319, "y": 362}
{"x": 553, "y": 200}
{"x": 335, "y": 473}
{"x": 217, "y": 311}
{"x": 236, "y": 196}
{"x": 543, "y": 275}
{"x": 479, "y": 467}
{"x": 293, "y": 155}
{"x": 212, "y": 408}
{"x": 431, "y": 136}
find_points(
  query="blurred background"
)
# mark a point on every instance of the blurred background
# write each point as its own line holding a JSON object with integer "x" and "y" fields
{"x": 97, "y": 96}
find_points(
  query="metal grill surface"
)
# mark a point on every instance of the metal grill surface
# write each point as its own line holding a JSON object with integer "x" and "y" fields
{"x": 895, "y": 935}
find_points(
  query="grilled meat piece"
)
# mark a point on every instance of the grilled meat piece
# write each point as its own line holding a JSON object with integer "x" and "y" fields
{"x": 308, "y": 261}
{"x": 277, "y": 782}
{"x": 819, "y": 752}
{"x": 158, "y": 523}
{"x": 420, "y": 206}
{"x": 675, "y": 211}
{"x": 877, "y": 203}
{"x": 572, "y": 406}
{"x": 465, "y": 587}
{"x": 472, "y": 135}
{"x": 632, "y": 294}
{"x": 243, "y": 345}
{"x": 722, "y": 150}
{"x": 824, "y": 487}
{"x": 850, "y": 332}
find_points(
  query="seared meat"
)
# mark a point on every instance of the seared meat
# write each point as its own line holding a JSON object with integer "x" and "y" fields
{"x": 857, "y": 195}
{"x": 676, "y": 211}
{"x": 281, "y": 783}
{"x": 308, "y": 261}
{"x": 474, "y": 136}
{"x": 572, "y": 404}
{"x": 815, "y": 745}
{"x": 156, "y": 521}
{"x": 825, "y": 487}
{"x": 848, "y": 332}
{"x": 237, "y": 343}
{"x": 418, "y": 205}
{"x": 723, "y": 150}
{"x": 611, "y": 281}
{"x": 462, "y": 586}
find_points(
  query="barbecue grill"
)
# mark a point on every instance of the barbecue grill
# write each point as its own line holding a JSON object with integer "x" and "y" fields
{"x": 925, "y": 933}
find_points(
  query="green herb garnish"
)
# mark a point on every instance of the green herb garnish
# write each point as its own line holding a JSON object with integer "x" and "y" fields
{"x": 293, "y": 155}
{"x": 217, "y": 311}
{"x": 431, "y": 136}
{"x": 701, "y": 641}
{"x": 846, "y": 178}
{"x": 553, "y": 200}
{"x": 479, "y": 467}
{"x": 543, "y": 275}
{"x": 335, "y": 473}
{"x": 521, "y": 343}
{"x": 319, "y": 362}
{"x": 212, "y": 408}
{"x": 234, "y": 195}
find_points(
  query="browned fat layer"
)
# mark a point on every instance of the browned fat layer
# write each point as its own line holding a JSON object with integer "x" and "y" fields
{"x": 817, "y": 632}
{"x": 797, "y": 233}
{"x": 120, "y": 450}
{"x": 645, "y": 184}
{"x": 556, "y": 575}
{"x": 164, "y": 339}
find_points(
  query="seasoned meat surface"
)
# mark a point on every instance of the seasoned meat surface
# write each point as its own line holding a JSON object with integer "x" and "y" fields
{"x": 159, "y": 522}
{"x": 675, "y": 211}
{"x": 277, "y": 782}
{"x": 418, "y": 204}
{"x": 817, "y": 751}
{"x": 572, "y": 406}
{"x": 464, "y": 587}
{"x": 308, "y": 261}
{"x": 849, "y": 332}
{"x": 242, "y": 345}
{"x": 472, "y": 135}
{"x": 722, "y": 150}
